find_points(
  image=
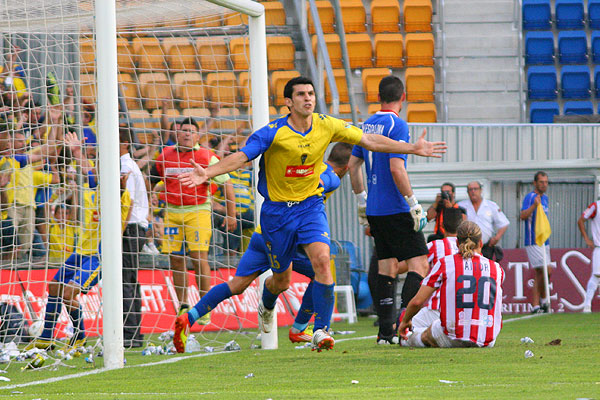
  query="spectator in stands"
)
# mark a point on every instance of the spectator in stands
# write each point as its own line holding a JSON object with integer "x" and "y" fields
{"x": 535, "y": 253}
{"x": 155, "y": 226}
{"x": 445, "y": 199}
{"x": 489, "y": 217}
{"x": 62, "y": 233}
{"x": 7, "y": 232}
{"x": 12, "y": 75}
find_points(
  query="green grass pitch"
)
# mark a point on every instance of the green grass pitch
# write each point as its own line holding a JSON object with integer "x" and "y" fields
{"x": 570, "y": 370}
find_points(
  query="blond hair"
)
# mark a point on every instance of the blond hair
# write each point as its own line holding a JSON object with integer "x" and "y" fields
{"x": 468, "y": 236}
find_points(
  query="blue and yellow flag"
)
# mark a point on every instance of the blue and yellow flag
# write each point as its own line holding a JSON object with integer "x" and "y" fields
{"x": 542, "y": 226}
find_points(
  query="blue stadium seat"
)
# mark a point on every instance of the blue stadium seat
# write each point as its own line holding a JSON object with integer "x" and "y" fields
{"x": 539, "y": 47}
{"x": 572, "y": 47}
{"x": 594, "y": 14}
{"x": 543, "y": 112}
{"x": 595, "y": 45}
{"x": 536, "y": 15}
{"x": 569, "y": 14}
{"x": 541, "y": 82}
{"x": 597, "y": 80}
{"x": 579, "y": 108}
{"x": 575, "y": 82}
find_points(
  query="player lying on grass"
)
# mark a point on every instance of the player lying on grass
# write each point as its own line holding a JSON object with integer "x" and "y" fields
{"x": 255, "y": 261}
{"x": 470, "y": 288}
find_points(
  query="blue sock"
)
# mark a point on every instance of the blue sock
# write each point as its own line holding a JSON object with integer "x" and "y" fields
{"x": 53, "y": 309}
{"x": 269, "y": 299}
{"x": 78, "y": 324}
{"x": 323, "y": 303}
{"x": 306, "y": 309}
{"x": 209, "y": 301}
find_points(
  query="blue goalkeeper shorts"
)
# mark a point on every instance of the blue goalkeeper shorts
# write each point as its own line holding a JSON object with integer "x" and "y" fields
{"x": 82, "y": 270}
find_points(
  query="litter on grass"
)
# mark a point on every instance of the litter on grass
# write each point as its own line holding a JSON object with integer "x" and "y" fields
{"x": 448, "y": 382}
{"x": 526, "y": 340}
{"x": 528, "y": 354}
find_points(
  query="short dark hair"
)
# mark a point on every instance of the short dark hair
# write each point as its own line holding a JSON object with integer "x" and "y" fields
{"x": 125, "y": 134}
{"x": 340, "y": 154}
{"x": 452, "y": 219}
{"x": 391, "y": 89}
{"x": 538, "y": 174}
{"x": 288, "y": 90}
{"x": 449, "y": 184}
{"x": 189, "y": 121}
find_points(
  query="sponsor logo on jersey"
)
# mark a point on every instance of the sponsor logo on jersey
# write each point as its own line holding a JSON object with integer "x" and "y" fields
{"x": 176, "y": 171}
{"x": 299, "y": 171}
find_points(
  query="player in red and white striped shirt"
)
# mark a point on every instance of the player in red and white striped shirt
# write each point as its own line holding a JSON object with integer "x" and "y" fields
{"x": 470, "y": 288}
{"x": 591, "y": 214}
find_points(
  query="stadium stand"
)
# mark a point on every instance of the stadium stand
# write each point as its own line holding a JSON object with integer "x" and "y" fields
{"x": 244, "y": 87}
{"x": 278, "y": 81}
{"x": 419, "y": 49}
{"x": 172, "y": 114}
{"x": 373, "y": 108}
{"x": 572, "y": 47}
{"x": 417, "y": 15}
{"x": 87, "y": 56}
{"x": 569, "y": 14}
{"x": 389, "y": 50}
{"x": 543, "y": 112}
{"x": 88, "y": 87}
{"x": 155, "y": 87}
{"x": 149, "y": 54}
{"x": 575, "y": 82}
{"x": 578, "y": 108}
{"x": 420, "y": 84}
{"x": 597, "y": 80}
{"x": 332, "y": 41}
{"x": 211, "y": 21}
{"x": 129, "y": 91}
{"x": 595, "y": 46}
{"x": 354, "y": 16}
{"x": 360, "y": 50}
{"x": 189, "y": 89}
{"x": 371, "y": 78}
{"x": 340, "y": 81}
{"x": 274, "y": 13}
{"x": 385, "y": 16}
{"x": 537, "y": 14}
{"x": 140, "y": 119}
{"x": 539, "y": 47}
{"x": 594, "y": 14}
{"x": 213, "y": 53}
{"x": 199, "y": 113}
{"x": 125, "y": 58}
{"x": 421, "y": 112}
{"x": 181, "y": 54}
{"x": 233, "y": 19}
{"x": 239, "y": 52}
{"x": 221, "y": 88}
{"x": 541, "y": 83}
{"x": 280, "y": 53}
{"x": 326, "y": 16}
{"x": 229, "y": 122}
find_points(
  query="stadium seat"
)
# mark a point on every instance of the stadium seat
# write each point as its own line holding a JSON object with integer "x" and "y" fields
{"x": 595, "y": 45}
{"x": 125, "y": 59}
{"x": 88, "y": 87}
{"x": 575, "y": 82}
{"x": 597, "y": 80}
{"x": 222, "y": 88}
{"x": 234, "y": 19}
{"x": 140, "y": 119}
{"x": 420, "y": 84}
{"x": 537, "y": 15}
{"x": 198, "y": 113}
{"x": 326, "y": 16}
{"x": 354, "y": 16}
{"x": 280, "y": 53}
{"x": 172, "y": 114}
{"x": 244, "y": 87}
{"x": 421, "y": 112}
{"x": 209, "y": 21}
{"x": 278, "y": 81}
{"x": 239, "y": 49}
{"x": 370, "y": 79}
{"x": 360, "y": 50}
{"x": 344, "y": 112}
{"x": 417, "y": 15}
{"x": 541, "y": 83}
{"x": 155, "y": 88}
{"x": 543, "y": 112}
{"x": 189, "y": 89}
{"x": 385, "y": 16}
{"x": 569, "y": 14}
{"x": 419, "y": 49}
{"x": 228, "y": 120}
{"x": 213, "y": 54}
{"x": 332, "y": 41}
{"x": 339, "y": 75}
{"x": 175, "y": 22}
{"x": 373, "y": 108}
{"x": 273, "y": 113}
{"x": 274, "y": 13}
{"x": 389, "y": 50}
{"x": 594, "y": 14}
{"x": 145, "y": 137}
{"x": 578, "y": 108}
{"x": 181, "y": 54}
{"x": 539, "y": 47}
{"x": 284, "y": 110}
{"x": 149, "y": 55}
{"x": 572, "y": 47}
{"x": 87, "y": 55}
{"x": 130, "y": 91}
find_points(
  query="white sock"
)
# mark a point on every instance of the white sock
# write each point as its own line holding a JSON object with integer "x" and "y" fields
{"x": 415, "y": 340}
{"x": 592, "y": 285}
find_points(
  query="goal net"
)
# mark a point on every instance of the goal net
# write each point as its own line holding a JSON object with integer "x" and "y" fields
{"x": 184, "y": 83}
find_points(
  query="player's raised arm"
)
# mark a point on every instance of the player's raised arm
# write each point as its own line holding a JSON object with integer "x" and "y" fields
{"x": 200, "y": 175}
{"x": 421, "y": 147}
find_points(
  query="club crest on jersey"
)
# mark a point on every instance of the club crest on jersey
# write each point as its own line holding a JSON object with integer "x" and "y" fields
{"x": 299, "y": 171}
{"x": 303, "y": 158}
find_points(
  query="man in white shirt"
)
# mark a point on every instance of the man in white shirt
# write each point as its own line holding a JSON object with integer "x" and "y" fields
{"x": 491, "y": 220}
{"x": 134, "y": 238}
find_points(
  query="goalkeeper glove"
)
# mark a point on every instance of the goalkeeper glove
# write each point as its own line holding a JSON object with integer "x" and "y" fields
{"x": 361, "y": 199}
{"x": 416, "y": 212}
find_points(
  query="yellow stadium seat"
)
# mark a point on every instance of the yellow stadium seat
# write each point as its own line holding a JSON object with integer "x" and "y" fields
{"x": 273, "y": 113}
{"x": 332, "y": 41}
{"x": 233, "y": 19}
{"x": 221, "y": 88}
{"x": 360, "y": 50}
{"x": 189, "y": 89}
{"x": 140, "y": 119}
{"x": 239, "y": 50}
{"x": 354, "y": 16}
{"x": 421, "y": 112}
{"x": 181, "y": 54}
{"x": 228, "y": 120}
{"x": 373, "y": 108}
{"x": 172, "y": 114}
{"x": 125, "y": 59}
{"x": 244, "y": 87}
{"x": 342, "y": 87}
{"x": 388, "y": 50}
{"x": 88, "y": 87}
{"x": 278, "y": 81}
{"x": 213, "y": 54}
{"x": 326, "y": 16}
{"x": 417, "y": 15}
{"x": 210, "y": 21}
{"x": 385, "y": 16}
{"x": 155, "y": 88}
{"x": 130, "y": 91}
{"x": 420, "y": 84}
{"x": 145, "y": 137}
{"x": 345, "y": 112}
{"x": 171, "y": 21}
{"x": 148, "y": 54}
{"x": 196, "y": 112}
{"x": 274, "y": 13}
{"x": 419, "y": 49}
{"x": 280, "y": 52}
{"x": 87, "y": 55}
{"x": 371, "y": 78}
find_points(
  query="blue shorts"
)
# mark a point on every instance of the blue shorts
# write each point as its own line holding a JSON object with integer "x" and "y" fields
{"x": 84, "y": 271}
{"x": 256, "y": 260}
{"x": 285, "y": 228}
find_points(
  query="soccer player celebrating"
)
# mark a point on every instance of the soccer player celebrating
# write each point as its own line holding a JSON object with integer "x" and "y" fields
{"x": 470, "y": 288}
{"x": 293, "y": 215}
{"x": 394, "y": 215}
{"x": 591, "y": 214}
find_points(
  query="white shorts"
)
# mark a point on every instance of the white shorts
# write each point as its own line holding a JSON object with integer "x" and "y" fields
{"x": 535, "y": 254}
{"x": 444, "y": 341}
{"x": 596, "y": 261}
{"x": 424, "y": 319}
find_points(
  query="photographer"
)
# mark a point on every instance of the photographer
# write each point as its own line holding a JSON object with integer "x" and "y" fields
{"x": 444, "y": 199}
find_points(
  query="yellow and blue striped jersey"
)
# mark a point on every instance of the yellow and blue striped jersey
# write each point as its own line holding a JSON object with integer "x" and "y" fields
{"x": 293, "y": 161}
{"x": 242, "y": 187}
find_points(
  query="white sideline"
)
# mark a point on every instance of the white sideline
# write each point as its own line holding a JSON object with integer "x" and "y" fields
{"x": 176, "y": 359}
